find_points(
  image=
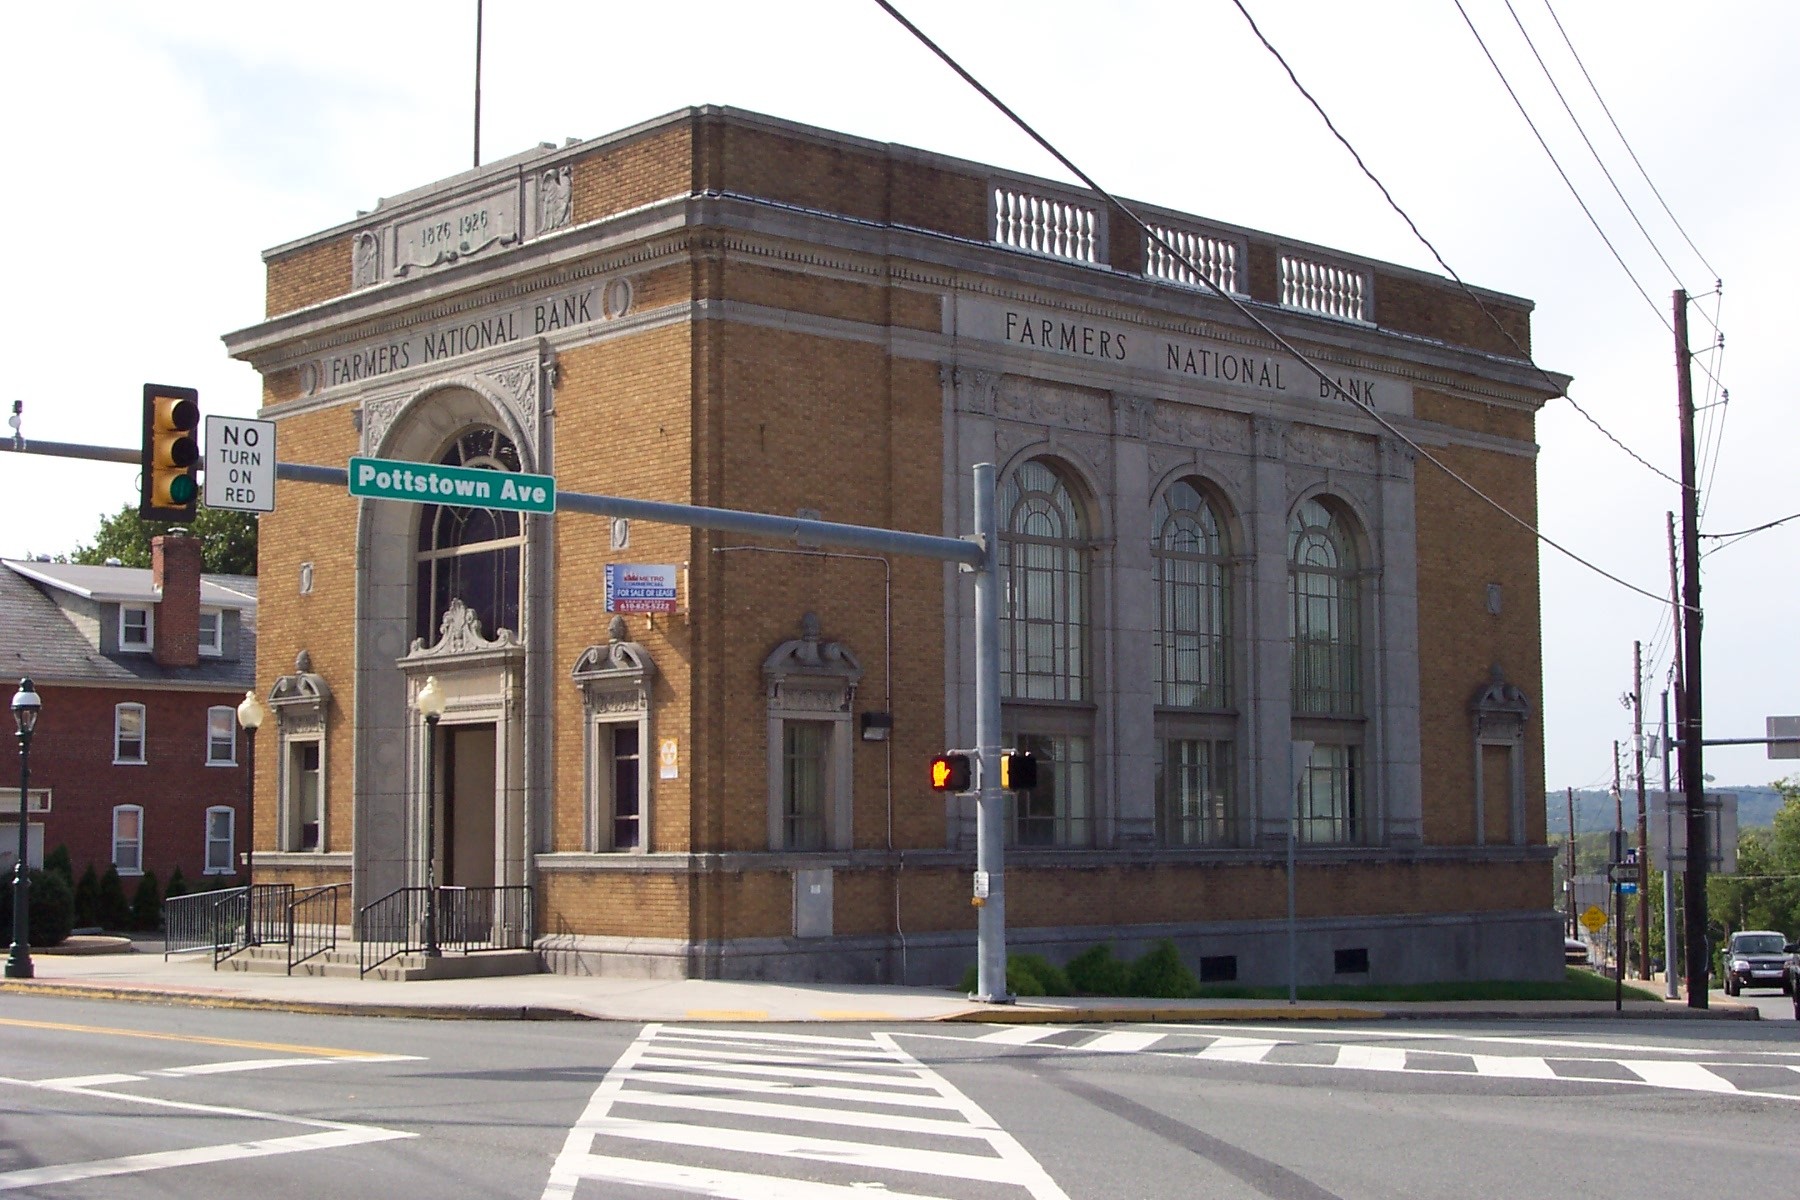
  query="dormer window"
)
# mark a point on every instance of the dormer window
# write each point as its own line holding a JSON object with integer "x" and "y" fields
{"x": 212, "y": 631}
{"x": 135, "y": 627}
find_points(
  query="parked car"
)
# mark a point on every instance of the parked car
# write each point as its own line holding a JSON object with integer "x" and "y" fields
{"x": 1575, "y": 951}
{"x": 1756, "y": 958}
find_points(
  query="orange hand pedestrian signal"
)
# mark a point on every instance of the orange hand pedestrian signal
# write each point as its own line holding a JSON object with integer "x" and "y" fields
{"x": 953, "y": 771}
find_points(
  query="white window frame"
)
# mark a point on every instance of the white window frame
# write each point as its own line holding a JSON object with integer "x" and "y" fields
{"x": 292, "y": 777}
{"x": 119, "y": 758}
{"x": 230, "y": 839}
{"x": 134, "y": 645}
{"x": 136, "y": 844}
{"x": 215, "y": 646}
{"x": 229, "y": 716}
{"x": 603, "y": 803}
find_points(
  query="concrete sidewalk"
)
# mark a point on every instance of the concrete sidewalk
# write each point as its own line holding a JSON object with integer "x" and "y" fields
{"x": 140, "y": 973}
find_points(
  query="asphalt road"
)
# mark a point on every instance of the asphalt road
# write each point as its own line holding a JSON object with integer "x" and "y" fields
{"x": 130, "y": 1100}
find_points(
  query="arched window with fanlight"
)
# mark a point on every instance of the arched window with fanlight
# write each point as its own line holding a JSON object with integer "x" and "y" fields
{"x": 1325, "y": 632}
{"x": 1045, "y": 553}
{"x": 1196, "y": 722}
{"x": 470, "y": 554}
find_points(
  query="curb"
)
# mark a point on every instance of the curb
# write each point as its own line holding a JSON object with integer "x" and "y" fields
{"x": 1021, "y": 1015}
{"x": 329, "y": 1008}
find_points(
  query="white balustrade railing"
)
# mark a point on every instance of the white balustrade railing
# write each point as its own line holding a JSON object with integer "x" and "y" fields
{"x": 1216, "y": 257}
{"x": 1323, "y": 288}
{"x": 1044, "y": 225}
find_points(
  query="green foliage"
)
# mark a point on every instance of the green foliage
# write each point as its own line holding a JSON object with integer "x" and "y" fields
{"x": 1162, "y": 975}
{"x": 51, "y": 908}
{"x": 177, "y": 884}
{"x": 1095, "y": 972}
{"x": 111, "y": 909}
{"x": 87, "y": 899}
{"x": 58, "y": 860}
{"x": 1050, "y": 978}
{"x": 227, "y": 540}
{"x": 1765, "y": 891}
{"x": 146, "y": 904}
{"x": 1023, "y": 976}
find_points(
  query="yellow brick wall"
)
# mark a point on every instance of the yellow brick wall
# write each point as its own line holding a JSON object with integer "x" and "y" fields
{"x": 309, "y": 275}
{"x": 633, "y": 173}
{"x": 1476, "y": 416}
{"x": 613, "y": 904}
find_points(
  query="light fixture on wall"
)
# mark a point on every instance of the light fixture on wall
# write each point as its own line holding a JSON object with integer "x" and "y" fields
{"x": 877, "y": 726}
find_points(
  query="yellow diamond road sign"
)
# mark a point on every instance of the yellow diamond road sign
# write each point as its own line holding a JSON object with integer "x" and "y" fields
{"x": 1593, "y": 920}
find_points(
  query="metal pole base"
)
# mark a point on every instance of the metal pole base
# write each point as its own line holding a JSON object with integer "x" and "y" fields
{"x": 18, "y": 963}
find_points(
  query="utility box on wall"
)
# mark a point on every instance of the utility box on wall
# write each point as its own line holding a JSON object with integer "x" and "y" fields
{"x": 812, "y": 903}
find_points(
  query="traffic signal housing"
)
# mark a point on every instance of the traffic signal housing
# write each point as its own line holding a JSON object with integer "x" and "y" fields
{"x": 1018, "y": 770}
{"x": 953, "y": 771}
{"x": 170, "y": 484}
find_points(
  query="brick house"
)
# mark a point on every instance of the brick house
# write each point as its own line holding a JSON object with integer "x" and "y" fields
{"x": 137, "y": 758}
{"x": 1210, "y": 563}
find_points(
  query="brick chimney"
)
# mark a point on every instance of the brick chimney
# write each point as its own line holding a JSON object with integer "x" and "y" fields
{"x": 175, "y": 569}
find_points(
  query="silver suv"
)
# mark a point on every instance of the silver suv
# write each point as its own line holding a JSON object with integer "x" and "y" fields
{"x": 1755, "y": 958}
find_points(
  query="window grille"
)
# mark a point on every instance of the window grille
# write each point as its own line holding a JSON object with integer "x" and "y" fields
{"x": 1059, "y": 810}
{"x": 804, "y": 748}
{"x": 1193, "y": 584}
{"x": 1324, "y": 613}
{"x": 470, "y": 554}
{"x": 1044, "y": 568}
{"x": 1194, "y": 794}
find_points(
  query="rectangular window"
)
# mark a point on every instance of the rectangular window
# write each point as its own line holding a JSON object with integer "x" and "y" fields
{"x": 627, "y": 765}
{"x": 212, "y": 632}
{"x": 803, "y": 783}
{"x": 1058, "y": 811}
{"x": 128, "y": 733}
{"x": 128, "y": 839}
{"x": 1194, "y": 793}
{"x": 1329, "y": 797}
{"x": 220, "y": 837}
{"x": 221, "y": 736}
{"x": 303, "y": 799}
{"x": 134, "y": 628}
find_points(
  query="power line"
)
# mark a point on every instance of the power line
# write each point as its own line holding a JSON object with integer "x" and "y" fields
{"x": 1626, "y": 143}
{"x": 1244, "y": 310}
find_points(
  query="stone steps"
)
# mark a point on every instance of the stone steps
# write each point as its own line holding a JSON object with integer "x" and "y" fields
{"x": 345, "y": 962}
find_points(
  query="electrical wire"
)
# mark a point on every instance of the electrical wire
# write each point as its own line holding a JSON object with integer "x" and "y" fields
{"x": 1561, "y": 390}
{"x": 1625, "y": 142}
{"x": 1244, "y": 310}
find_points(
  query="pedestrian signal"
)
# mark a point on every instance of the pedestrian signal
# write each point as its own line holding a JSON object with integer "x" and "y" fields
{"x": 953, "y": 771}
{"x": 169, "y": 489}
{"x": 1018, "y": 770}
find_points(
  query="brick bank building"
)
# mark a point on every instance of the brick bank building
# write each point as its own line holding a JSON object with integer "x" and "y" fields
{"x": 1205, "y": 561}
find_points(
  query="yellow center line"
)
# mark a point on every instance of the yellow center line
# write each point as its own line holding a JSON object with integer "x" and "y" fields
{"x": 195, "y": 1039}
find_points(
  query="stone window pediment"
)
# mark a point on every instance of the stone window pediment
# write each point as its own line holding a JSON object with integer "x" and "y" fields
{"x": 811, "y": 675}
{"x": 301, "y": 699}
{"x": 616, "y": 676}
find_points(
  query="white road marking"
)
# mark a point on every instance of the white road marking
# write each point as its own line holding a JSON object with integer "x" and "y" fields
{"x": 1501, "y": 1039}
{"x": 1510, "y": 1066}
{"x": 1371, "y": 1058}
{"x": 70, "y": 1082}
{"x": 1019, "y": 1035}
{"x": 133, "y": 1164}
{"x": 652, "y": 1075}
{"x": 1240, "y": 1049}
{"x": 1688, "y": 1077}
{"x": 1121, "y": 1041}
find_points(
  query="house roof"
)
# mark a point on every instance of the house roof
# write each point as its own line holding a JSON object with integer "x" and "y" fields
{"x": 38, "y": 639}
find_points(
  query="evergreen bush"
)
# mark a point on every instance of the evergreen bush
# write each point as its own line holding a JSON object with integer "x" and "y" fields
{"x": 87, "y": 899}
{"x": 1161, "y": 975}
{"x": 58, "y": 860}
{"x": 177, "y": 884}
{"x": 111, "y": 909}
{"x": 146, "y": 904}
{"x": 52, "y": 908}
{"x": 1095, "y": 972}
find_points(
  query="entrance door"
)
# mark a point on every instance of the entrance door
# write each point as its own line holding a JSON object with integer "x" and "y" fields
{"x": 468, "y": 834}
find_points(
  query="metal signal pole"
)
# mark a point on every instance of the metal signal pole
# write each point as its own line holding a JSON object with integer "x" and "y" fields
{"x": 1643, "y": 825}
{"x": 478, "y": 82}
{"x": 1699, "y": 956}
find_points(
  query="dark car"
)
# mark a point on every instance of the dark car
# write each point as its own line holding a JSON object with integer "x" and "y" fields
{"x": 1790, "y": 982}
{"x": 1756, "y": 958}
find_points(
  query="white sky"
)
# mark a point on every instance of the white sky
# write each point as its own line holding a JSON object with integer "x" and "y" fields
{"x": 158, "y": 149}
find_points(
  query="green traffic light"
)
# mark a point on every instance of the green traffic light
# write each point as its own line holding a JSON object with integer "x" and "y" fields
{"x": 181, "y": 489}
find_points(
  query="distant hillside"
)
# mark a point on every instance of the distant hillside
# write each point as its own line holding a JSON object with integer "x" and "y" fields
{"x": 1594, "y": 811}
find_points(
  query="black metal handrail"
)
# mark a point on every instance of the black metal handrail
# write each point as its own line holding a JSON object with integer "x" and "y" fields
{"x": 190, "y": 922}
{"x": 257, "y": 916}
{"x": 312, "y": 924}
{"x": 467, "y": 920}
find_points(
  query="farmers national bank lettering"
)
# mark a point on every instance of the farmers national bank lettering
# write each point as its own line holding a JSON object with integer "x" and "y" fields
{"x": 494, "y": 327}
{"x": 1075, "y": 336}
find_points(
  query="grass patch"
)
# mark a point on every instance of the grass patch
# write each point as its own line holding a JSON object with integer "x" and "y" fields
{"x": 1576, "y": 984}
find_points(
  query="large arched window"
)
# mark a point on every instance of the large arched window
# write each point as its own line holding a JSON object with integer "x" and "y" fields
{"x": 1324, "y": 627}
{"x": 470, "y": 554}
{"x": 1044, "y": 569}
{"x": 1196, "y": 731}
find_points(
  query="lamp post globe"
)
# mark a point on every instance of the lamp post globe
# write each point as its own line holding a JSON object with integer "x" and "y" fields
{"x": 25, "y": 707}
{"x": 250, "y": 715}
{"x": 431, "y": 701}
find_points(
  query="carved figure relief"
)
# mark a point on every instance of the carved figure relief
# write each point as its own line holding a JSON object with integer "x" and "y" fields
{"x": 1331, "y": 448}
{"x": 554, "y": 199}
{"x": 365, "y": 266}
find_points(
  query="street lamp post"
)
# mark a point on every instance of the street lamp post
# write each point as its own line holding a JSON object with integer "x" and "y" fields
{"x": 250, "y": 714}
{"x": 431, "y": 702}
{"x": 25, "y": 706}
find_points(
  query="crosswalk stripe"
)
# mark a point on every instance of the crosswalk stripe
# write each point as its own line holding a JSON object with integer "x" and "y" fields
{"x": 1508, "y": 1066}
{"x": 740, "y": 1185}
{"x": 701, "y": 1033}
{"x": 675, "y": 1050}
{"x": 86, "y": 1081}
{"x": 1688, "y": 1076}
{"x": 1121, "y": 1042}
{"x": 1371, "y": 1058}
{"x": 132, "y": 1164}
{"x": 1019, "y": 1035}
{"x": 810, "y": 1091}
{"x": 742, "y": 1068}
{"x": 1240, "y": 1049}
{"x": 799, "y": 1112}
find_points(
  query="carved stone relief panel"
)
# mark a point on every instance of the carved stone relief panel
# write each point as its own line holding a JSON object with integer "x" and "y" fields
{"x": 554, "y": 199}
{"x": 1203, "y": 428}
{"x": 365, "y": 263}
{"x": 1040, "y": 403}
{"x": 972, "y": 390}
{"x": 1092, "y": 450}
{"x": 1331, "y": 448}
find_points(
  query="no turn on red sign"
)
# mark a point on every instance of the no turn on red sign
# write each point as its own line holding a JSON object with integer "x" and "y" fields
{"x": 240, "y": 464}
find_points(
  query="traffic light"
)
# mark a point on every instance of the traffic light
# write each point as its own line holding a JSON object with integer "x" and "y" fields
{"x": 169, "y": 489}
{"x": 1018, "y": 770}
{"x": 953, "y": 771}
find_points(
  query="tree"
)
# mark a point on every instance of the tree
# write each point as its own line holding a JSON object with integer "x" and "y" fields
{"x": 227, "y": 540}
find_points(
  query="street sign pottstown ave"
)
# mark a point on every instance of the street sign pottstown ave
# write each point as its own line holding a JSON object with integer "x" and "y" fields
{"x": 465, "y": 487}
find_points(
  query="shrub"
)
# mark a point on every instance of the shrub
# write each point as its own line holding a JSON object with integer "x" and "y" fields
{"x": 1095, "y": 972}
{"x": 87, "y": 899}
{"x": 1050, "y": 977}
{"x": 111, "y": 910}
{"x": 58, "y": 860}
{"x": 177, "y": 884}
{"x": 146, "y": 904}
{"x": 52, "y": 908}
{"x": 1161, "y": 975}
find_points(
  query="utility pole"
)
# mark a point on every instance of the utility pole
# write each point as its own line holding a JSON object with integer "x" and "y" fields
{"x": 1643, "y": 828}
{"x": 1669, "y": 866}
{"x": 1617, "y": 854}
{"x": 1569, "y": 872}
{"x": 478, "y": 82}
{"x": 1699, "y": 955}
